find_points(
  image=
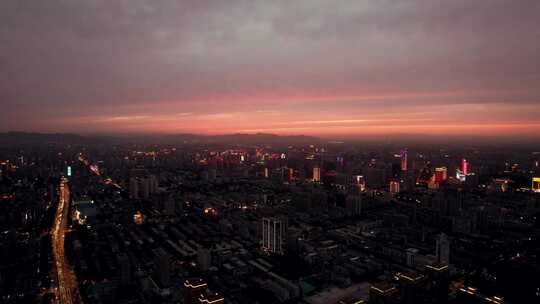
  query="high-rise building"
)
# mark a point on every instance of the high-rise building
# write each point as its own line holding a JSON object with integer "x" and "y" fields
{"x": 536, "y": 184}
{"x": 353, "y": 204}
{"x": 394, "y": 186}
{"x": 404, "y": 160}
{"x": 463, "y": 170}
{"x": 360, "y": 182}
{"x": 464, "y": 166}
{"x": 442, "y": 249}
{"x": 290, "y": 174}
{"x": 124, "y": 269}
{"x": 412, "y": 287}
{"x": 441, "y": 174}
{"x": 193, "y": 289}
{"x": 169, "y": 206}
{"x": 409, "y": 182}
{"x": 145, "y": 188}
{"x": 133, "y": 188}
{"x": 383, "y": 293}
{"x": 411, "y": 255}
{"x": 211, "y": 298}
{"x": 316, "y": 174}
{"x": 439, "y": 282}
{"x": 142, "y": 187}
{"x": 375, "y": 176}
{"x": 273, "y": 233}
{"x": 162, "y": 265}
{"x": 204, "y": 258}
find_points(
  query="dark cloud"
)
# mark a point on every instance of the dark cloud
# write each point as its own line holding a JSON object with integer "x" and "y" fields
{"x": 83, "y": 58}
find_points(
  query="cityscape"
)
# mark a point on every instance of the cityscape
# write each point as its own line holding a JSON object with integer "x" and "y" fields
{"x": 269, "y": 152}
{"x": 295, "y": 221}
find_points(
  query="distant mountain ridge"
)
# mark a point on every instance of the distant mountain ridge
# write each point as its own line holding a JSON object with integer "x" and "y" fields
{"x": 15, "y": 138}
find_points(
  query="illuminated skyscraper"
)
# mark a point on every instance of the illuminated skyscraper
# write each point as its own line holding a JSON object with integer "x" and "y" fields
{"x": 536, "y": 184}
{"x": 316, "y": 174}
{"x": 441, "y": 174}
{"x": 273, "y": 232}
{"x": 290, "y": 174}
{"x": 464, "y": 166}
{"x": 394, "y": 186}
{"x": 403, "y": 160}
{"x": 360, "y": 182}
{"x": 461, "y": 173}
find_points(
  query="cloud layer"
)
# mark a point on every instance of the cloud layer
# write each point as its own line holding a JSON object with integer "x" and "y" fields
{"x": 314, "y": 67}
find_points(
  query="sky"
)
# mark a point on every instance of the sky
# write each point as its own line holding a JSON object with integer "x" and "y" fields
{"x": 310, "y": 67}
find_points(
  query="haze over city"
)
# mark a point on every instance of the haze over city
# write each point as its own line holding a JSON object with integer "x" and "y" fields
{"x": 270, "y": 152}
{"x": 283, "y": 67}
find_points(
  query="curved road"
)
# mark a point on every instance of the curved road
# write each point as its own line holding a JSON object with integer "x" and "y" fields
{"x": 66, "y": 292}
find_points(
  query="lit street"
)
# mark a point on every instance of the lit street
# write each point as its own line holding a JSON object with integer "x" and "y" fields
{"x": 66, "y": 290}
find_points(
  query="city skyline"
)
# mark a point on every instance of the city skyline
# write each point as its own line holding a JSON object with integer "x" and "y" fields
{"x": 307, "y": 67}
{"x": 269, "y": 152}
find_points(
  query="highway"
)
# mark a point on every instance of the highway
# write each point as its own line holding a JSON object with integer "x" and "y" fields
{"x": 95, "y": 169}
{"x": 66, "y": 291}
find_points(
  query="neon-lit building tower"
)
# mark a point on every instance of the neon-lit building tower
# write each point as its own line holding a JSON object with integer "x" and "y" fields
{"x": 462, "y": 172}
{"x": 403, "y": 159}
{"x": 464, "y": 166}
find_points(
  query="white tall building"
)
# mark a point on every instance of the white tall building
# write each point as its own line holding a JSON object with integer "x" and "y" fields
{"x": 442, "y": 250}
{"x": 273, "y": 234}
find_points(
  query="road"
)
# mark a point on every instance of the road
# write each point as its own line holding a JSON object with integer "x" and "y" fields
{"x": 66, "y": 291}
{"x": 95, "y": 170}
